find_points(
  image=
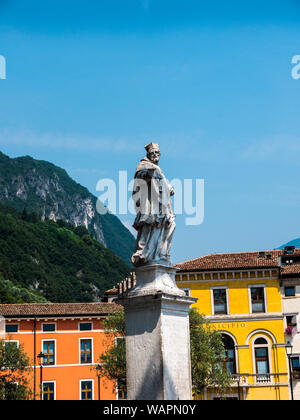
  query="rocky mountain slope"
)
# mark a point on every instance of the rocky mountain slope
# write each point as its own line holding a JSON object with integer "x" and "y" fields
{"x": 48, "y": 191}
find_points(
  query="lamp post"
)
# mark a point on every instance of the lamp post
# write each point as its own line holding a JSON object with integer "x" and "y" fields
{"x": 40, "y": 357}
{"x": 289, "y": 353}
{"x": 98, "y": 367}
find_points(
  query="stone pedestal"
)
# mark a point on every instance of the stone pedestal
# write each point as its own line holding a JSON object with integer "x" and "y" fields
{"x": 157, "y": 337}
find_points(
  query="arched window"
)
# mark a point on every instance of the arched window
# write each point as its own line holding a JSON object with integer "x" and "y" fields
{"x": 262, "y": 366}
{"x": 230, "y": 364}
{"x": 261, "y": 340}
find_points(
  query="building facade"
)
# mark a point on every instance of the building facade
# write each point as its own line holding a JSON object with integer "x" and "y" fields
{"x": 290, "y": 293}
{"x": 241, "y": 295}
{"x": 252, "y": 298}
{"x": 63, "y": 342}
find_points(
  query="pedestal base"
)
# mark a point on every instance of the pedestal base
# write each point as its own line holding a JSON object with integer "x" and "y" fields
{"x": 157, "y": 337}
{"x": 156, "y": 278}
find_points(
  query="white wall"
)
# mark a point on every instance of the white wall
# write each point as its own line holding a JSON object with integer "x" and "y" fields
{"x": 291, "y": 306}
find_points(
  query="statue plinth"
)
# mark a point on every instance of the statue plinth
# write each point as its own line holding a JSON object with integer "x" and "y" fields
{"x": 155, "y": 278}
{"x": 157, "y": 336}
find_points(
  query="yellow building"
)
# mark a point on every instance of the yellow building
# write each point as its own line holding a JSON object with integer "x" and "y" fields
{"x": 240, "y": 294}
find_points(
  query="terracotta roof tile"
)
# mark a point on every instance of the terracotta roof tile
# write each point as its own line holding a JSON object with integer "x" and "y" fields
{"x": 57, "y": 309}
{"x": 233, "y": 261}
{"x": 290, "y": 269}
{"x": 243, "y": 260}
{"x": 113, "y": 291}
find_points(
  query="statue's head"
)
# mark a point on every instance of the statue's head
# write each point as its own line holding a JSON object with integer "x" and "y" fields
{"x": 153, "y": 152}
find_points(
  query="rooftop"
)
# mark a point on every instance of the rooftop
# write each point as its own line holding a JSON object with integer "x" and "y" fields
{"x": 57, "y": 309}
{"x": 290, "y": 270}
{"x": 234, "y": 261}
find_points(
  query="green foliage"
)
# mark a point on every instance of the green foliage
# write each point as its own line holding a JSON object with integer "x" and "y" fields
{"x": 112, "y": 363}
{"x": 207, "y": 356}
{"x": 14, "y": 368}
{"x": 10, "y": 293}
{"x": 54, "y": 261}
{"x": 207, "y": 353}
{"x": 117, "y": 237}
{"x": 115, "y": 324}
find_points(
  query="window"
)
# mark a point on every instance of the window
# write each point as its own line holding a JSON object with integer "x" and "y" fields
{"x": 86, "y": 389}
{"x": 291, "y": 324}
{"x": 258, "y": 299}
{"x": 230, "y": 365}
{"x": 85, "y": 326}
{"x": 119, "y": 341}
{"x": 121, "y": 389}
{"x": 122, "y": 393}
{"x": 48, "y": 327}
{"x": 11, "y": 328}
{"x": 261, "y": 352}
{"x": 291, "y": 321}
{"x": 48, "y": 391}
{"x": 261, "y": 359}
{"x": 261, "y": 340}
{"x": 86, "y": 351}
{"x": 11, "y": 343}
{"x": 295, "y": 362}
{"x": 220, "y": 301}
{"x": 289, "y": 291}
{"x": 49, "y": 353}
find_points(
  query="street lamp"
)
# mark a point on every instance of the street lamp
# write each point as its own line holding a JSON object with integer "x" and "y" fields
{"x": 98, "y": 367}
{"x": 40, "y": 357}
{"x": 289, "y": 353}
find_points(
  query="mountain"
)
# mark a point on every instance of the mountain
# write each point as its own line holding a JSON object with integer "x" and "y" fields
{"x": 53, "y": 261}
{"x": 47, "y": 190}
{"x": 294, "y": 242}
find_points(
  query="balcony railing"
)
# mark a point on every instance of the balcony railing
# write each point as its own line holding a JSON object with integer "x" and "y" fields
{"x": 246, "y": 379}
{"x": 266, "y": 378}
{"x": 241, "y": 379}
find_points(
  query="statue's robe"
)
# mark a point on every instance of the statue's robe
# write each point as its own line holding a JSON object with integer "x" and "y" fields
{"x": 155, "y": 219}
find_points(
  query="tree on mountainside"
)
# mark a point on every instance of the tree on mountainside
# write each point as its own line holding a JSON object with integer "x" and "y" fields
{"x": 53, "y": 261}
{"x": 11, "y": 293}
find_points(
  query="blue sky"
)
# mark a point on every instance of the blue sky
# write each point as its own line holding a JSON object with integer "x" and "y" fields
{"x": 90, "y": 83}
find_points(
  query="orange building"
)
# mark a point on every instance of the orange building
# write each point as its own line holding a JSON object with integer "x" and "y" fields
{"x": 70, "y": 337}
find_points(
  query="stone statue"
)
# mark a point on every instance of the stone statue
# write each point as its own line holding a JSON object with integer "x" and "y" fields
{"x": 158, "y": 365}
{"x": 154, "y": 221}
